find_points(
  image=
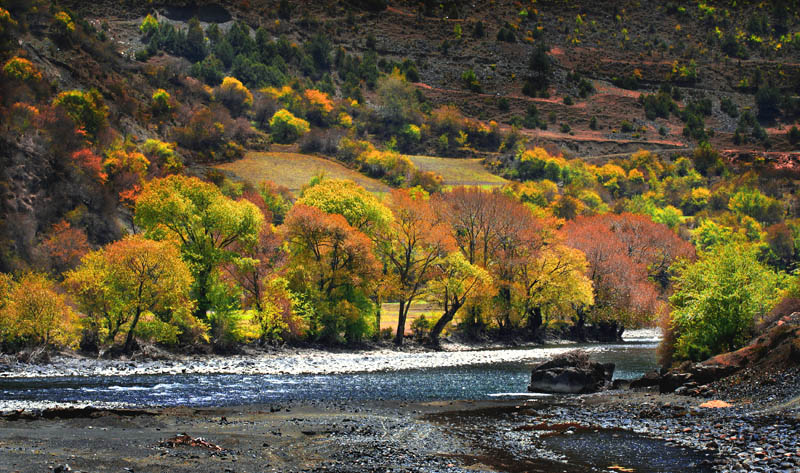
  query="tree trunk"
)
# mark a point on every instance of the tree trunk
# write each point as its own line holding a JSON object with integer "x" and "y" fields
{"x": 534, "y": 321}
{"x": 201, "y": 294}
{"x": 379, "y": 308}
{"x": 401, "y": 323}
{"x": 129, "y": 337}
{"x": 437, "y": 329}
{"x": 579, "y": 326}
{"x": 505, "y": 294}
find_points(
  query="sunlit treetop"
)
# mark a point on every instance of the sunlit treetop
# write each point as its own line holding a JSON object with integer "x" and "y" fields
{"x": 21, "y": 69}
{"x": 360, "y": 208}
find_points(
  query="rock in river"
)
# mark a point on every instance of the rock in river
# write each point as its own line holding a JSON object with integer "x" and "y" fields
{"x": 571, "y": 373}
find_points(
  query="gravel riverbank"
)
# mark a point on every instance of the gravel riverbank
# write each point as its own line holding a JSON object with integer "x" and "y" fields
{"x": 614, "y": 431}
{"x": 305, "y": 361}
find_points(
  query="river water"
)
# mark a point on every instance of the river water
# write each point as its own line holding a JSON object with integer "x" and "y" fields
{"x": 632, "y": 358}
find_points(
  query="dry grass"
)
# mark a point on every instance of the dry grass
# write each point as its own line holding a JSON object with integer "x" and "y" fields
{"x": 389, "y": 314}
{"x": 458, "y": 172}
{"x": 294, "y": 170}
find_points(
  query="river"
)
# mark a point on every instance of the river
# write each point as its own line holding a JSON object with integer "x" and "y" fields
{"x": 482, "y": 380}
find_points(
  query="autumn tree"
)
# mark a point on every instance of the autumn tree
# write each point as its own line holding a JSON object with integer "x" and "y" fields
{"x": 482, "y": 221}
{"x": 257, "y": 264}
{"x": 131, "y": 281}
{"x": 63, "y": 247}
{"x": 490, "y": 228}
{"x": 234, "y": 95}
{"x": 286, "y": 128}
{"x": 34, "y": 312}
{"x": 334, "y": 265}
{"x": 204, "y": 222}
{"x": 552, "y": 278}
{"x": 278, "y": 199}
{"x": 397, "y": 101}
{"x": 455, "y": 283}
{"x": 86, "y": 109}
{"x": 360, "y": 208}
{"x": 412, "y": 245}
{"x": 625, "y": 253}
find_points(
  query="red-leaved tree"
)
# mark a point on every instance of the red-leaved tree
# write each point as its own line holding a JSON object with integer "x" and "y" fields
{"x": 626, "y": 254}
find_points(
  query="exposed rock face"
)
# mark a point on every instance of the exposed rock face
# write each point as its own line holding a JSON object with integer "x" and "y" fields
{"x": 778, "y": 347}
{"x": 571, "y": 373}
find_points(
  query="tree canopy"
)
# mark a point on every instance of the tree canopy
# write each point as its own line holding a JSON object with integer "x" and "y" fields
{"x": 202, "y": 220}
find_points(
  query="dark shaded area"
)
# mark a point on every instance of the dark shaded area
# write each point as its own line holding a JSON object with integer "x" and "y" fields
{"x": 204, "y": 13}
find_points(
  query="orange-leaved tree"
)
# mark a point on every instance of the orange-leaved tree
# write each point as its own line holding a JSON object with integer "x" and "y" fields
{"x": 258, "y": 270}
{"x": 490, "y": 228}
{"x": 63, "y": 247}
{"x": 333, "y": 265}
{"x": 625, "y": 254}
{"x": 412, "y": 245}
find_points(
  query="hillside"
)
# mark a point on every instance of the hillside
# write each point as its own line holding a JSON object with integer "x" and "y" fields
{"x": 564, "y": 115}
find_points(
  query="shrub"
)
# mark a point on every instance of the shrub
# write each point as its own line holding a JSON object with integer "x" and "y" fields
{"x": 568, "y": 100}
{"x": 209, "y": 70}
{"x": 391, "y": 166}
{"x": 658, "y": 105}
{"x": 729, "y": 107}
{"x": 149, "y": 26}
{"x": 768, "y": 100}
{"x": 538, "y": 164}
{"x": 21, "y": 69}
{"x": 754, "y": 204}
{"x": 163, "y": 154}
{"x": 794, "y": 135}
{"x": 565, "y": 128}
{"x": 286, "y": 128}
{"x": 626, "y": 126}
{"x": 718, "y": 298}
{"x": 471, "y": 81}
{"x": 593, "y": 123}
{"x": 86, "y": 109}
{"x": 506, "y": 34}
{"x": 420, "y": 327}
{"x": 161, "y": 102}
{"x": 63, "y": 23}
{"x": 234, "y": 95}
{"x": 319, "y": 106}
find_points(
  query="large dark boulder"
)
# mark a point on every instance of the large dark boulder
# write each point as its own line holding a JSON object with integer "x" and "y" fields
{"x": 571, "y": 373}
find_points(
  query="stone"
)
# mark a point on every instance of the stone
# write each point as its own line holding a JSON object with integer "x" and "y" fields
{"x": 571, "y": 373}
{"x": 651, "y": 378}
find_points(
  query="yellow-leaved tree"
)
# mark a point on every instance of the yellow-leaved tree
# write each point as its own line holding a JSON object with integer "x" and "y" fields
{"x": 33, "y": 312}
{"x": 204, "y": 222}
{"x": 135, "y": 286}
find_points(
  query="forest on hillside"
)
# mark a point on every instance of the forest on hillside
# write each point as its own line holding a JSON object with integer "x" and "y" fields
{"x": 657, "y": 187}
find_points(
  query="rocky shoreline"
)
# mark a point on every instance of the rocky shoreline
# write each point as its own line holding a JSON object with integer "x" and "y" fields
{"x": 747, "y": 422}
{"x": 284, "y": 361}
{"x": 647, "y": 431}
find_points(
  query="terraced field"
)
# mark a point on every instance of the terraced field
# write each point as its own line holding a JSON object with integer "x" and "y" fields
{"x": 294, "y": 170}
{"x": 458, "y": 172}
